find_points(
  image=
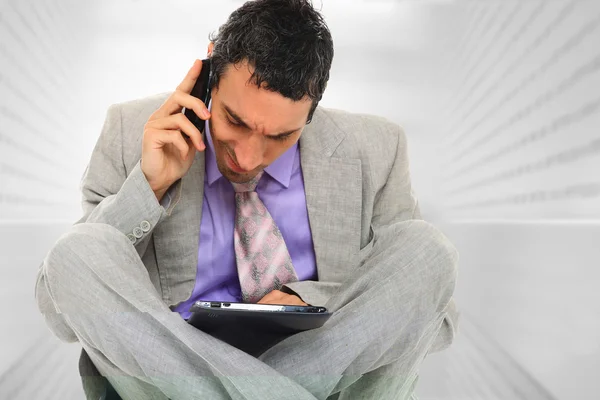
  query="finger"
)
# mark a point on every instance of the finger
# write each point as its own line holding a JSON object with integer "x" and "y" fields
{"x": 266, "y": 298}
{"x": 178, "y": 100}
{"x": 190, "y": 79}
{"x": 182, "y": 123}
{"x": 281, "y": 298}
{"x": 174, "y": 137}
{"x": 294, "y": 300}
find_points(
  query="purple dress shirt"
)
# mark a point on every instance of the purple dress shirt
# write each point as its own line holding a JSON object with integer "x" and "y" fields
{"x": 281, "y": 189}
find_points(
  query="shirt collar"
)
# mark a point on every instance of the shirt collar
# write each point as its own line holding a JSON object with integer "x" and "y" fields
{"x": 281, "y": 169}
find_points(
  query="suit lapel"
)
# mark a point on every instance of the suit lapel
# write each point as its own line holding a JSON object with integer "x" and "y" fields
{"x": 176, "y": 237}
{"x": 333, "y": 187}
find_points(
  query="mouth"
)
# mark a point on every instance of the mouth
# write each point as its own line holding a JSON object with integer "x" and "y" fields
{"x": 232, "y": 165}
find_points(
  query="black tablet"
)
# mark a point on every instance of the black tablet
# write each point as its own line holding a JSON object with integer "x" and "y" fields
{"x": 254, "y": 327}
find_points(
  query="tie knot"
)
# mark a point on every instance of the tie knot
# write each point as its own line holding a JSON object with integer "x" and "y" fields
{"x": 249, "y": 186}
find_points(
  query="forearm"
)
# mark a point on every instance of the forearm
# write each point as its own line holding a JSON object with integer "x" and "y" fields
{"x": 134, "y": 209}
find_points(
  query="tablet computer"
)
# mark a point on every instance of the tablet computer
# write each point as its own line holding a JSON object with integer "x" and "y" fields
{"x": 254, "y": 327}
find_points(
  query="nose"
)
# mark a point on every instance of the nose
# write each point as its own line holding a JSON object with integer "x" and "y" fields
{"x": 249, "y": 152}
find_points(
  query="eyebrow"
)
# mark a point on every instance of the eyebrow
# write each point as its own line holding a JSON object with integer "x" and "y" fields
{"x": 240, "y": 121}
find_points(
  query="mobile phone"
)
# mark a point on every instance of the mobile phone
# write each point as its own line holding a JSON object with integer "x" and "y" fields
{"x": 202, "y": 91}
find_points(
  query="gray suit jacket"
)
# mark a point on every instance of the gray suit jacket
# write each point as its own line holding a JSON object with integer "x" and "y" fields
{"x": 356, "y": 177}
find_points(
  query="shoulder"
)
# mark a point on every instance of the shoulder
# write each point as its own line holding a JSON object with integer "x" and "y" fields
{"x": 347, "y": 120}
{"x": 134, "y": 111}
{"x": 366, "y": 135}
{"x": 132, "y": 116}
{"x": 379, "y": 143}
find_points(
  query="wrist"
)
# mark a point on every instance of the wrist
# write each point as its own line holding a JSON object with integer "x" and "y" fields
{"x": 160, "y": 194}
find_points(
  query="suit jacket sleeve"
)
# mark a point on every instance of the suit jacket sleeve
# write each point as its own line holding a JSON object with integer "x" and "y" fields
{"x": 395, "y": 202}
{"x": 111, "y": 196}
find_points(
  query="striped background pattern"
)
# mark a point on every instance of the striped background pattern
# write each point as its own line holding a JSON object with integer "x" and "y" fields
{"x": 522, "y": 137}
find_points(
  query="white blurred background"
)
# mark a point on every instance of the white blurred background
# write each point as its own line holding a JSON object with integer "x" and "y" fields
{"x": 501, "y": 104}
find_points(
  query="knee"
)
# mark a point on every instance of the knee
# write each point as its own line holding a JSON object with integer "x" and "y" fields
{"x": 422, "y": 239}
{"x": 65, "y": 263}
{"x": 432, "y": 258}
{"x": 439, "y": 265}
{"x": 440, "y": 253}
{"x": 81, "y": 240}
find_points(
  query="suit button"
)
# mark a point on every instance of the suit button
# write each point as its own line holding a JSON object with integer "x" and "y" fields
{"x": 132, "y": 238}
{"x": 145, "y": 225}
{"x": 138, "y": 232}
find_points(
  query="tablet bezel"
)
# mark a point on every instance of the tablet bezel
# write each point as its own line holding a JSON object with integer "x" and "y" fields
{"x": 234, "y": 306}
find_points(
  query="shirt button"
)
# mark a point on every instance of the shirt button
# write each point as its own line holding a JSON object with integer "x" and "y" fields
{"x": 132, "y": 238}
{"x": 138, "y": 232}
{"x": 145, "y": 225}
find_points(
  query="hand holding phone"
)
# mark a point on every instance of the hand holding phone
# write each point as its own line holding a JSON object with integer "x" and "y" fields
{"x": 170, "y": 139}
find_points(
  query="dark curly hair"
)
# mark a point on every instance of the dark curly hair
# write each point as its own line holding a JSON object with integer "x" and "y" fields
{"x": 286, "y": 41}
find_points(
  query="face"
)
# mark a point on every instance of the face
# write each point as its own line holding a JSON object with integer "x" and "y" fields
{"x": 250, "y": 126}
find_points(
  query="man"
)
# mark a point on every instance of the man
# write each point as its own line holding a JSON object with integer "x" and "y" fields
{"x": 162, "y": 228}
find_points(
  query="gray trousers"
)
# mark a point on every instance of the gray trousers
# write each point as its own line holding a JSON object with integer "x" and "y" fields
{"x": 386, "y": 316}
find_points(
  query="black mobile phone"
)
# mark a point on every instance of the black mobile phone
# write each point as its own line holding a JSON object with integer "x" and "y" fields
{"x": 202, "y": 91}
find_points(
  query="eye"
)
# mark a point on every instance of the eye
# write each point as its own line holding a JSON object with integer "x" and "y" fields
{"x": 231, "y": 123}
{"x": 281, "y": 138}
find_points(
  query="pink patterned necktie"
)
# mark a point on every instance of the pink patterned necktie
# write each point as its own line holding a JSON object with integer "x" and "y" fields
{"x": 263, "y": 260}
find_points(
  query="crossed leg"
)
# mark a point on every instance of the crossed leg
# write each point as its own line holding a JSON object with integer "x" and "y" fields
{"x": 386, "y": 314}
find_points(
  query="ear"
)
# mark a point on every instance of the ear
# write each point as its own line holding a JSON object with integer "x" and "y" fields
{"x": 211, "y": 46}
